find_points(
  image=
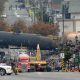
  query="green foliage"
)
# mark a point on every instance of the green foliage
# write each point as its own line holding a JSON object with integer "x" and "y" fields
{"x": 67, "y": 53}
{"x": 38, "y": 15}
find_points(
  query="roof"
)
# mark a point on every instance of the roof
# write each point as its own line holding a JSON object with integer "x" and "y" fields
{"x": 74, "y": 6}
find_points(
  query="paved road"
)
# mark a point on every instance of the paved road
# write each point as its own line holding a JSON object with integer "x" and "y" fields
{"x": 13, "y": 14}
{"x": 43, "y": 76}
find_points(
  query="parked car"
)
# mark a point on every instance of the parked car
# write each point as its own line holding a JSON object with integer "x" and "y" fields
{"x": 5, "y": 69}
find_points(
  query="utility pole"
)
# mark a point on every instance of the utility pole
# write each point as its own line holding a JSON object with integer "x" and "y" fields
{"x": 74, "y": 25}
{"x": 34, "y": 8}
{"x": 52, "y": 14}
{"x": 41, "y": 9}
{"x": 63, "y": 7}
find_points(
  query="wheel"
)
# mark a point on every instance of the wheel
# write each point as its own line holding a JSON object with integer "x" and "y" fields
{"x": 2, "y": 72}
{"x": 48, "y": 69}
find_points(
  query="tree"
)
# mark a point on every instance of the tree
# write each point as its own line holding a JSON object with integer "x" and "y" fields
{"x": 4, "y": 26}
{"x": 67, "y": 53}
{"x": 44, "y": 28}
{"x": 8, "y": 29}
{"x": 19, "y": 26}
{"x": 2, "y": 5}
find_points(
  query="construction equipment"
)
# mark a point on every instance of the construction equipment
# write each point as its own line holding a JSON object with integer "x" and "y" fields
{"x": 36, "y": 63}
{"x": 30, "y": 63}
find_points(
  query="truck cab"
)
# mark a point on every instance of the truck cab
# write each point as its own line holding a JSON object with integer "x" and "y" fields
{"x": 23, "y": 63}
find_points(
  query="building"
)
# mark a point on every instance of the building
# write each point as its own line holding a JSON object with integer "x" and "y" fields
{"x": 74, "y": 9}
{"x": 72, "y": 24}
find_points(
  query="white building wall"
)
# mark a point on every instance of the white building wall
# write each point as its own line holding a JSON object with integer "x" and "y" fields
{"x": 68, "y": 26}
{"x": 78, "y": 26}
{"x": 75, "y": 16}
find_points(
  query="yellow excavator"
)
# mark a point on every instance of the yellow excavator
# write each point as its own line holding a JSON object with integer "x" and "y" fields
{"x": 36, "y": 63}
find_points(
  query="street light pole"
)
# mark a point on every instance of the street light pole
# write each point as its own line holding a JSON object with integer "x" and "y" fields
{"x": 76, "y": 39}
{"x": 78, "y": 60}
{"x": 74, "y": 60}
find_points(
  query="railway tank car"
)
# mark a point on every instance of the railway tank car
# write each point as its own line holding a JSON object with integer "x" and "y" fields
{"x": 26, "y": 39}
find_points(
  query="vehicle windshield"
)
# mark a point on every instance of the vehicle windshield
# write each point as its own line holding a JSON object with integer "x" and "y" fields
{"x": 24, "y": 60}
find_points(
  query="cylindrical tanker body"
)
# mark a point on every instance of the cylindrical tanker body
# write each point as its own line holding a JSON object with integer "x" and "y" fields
{"x": 27, "y": 40}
